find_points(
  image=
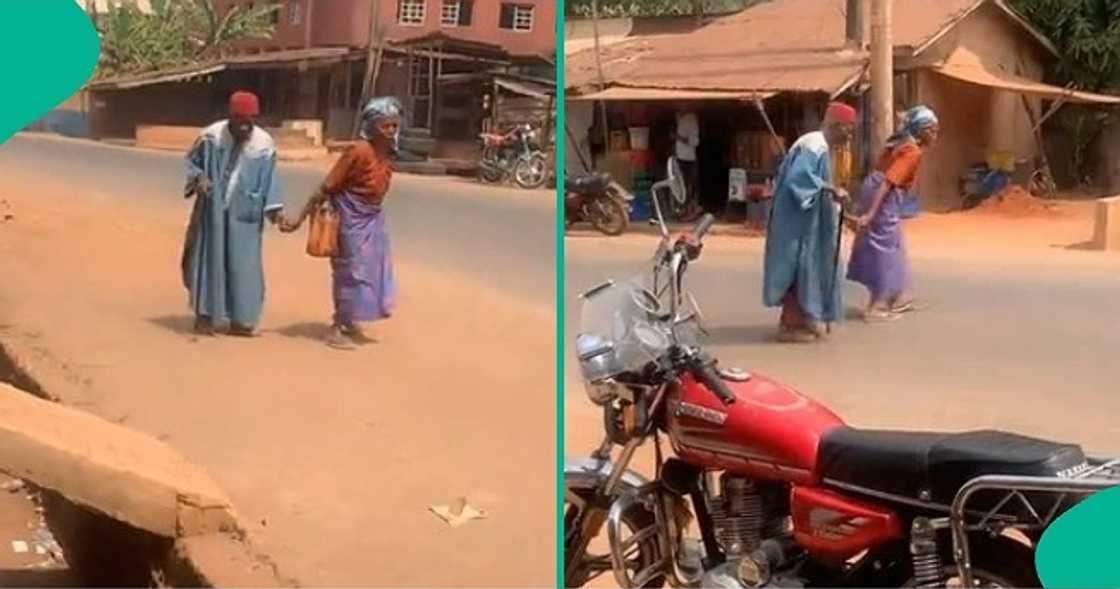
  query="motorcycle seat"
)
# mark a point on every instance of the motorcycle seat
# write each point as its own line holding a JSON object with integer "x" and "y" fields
{"x": 932, "y": 467}
{"x": 587, "y": 182}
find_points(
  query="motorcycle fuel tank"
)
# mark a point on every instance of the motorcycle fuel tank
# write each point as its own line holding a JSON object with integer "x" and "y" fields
{"x": 771, "y": 432}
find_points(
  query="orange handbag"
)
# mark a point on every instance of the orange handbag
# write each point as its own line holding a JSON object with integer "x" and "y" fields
{"x": 322, "y": 236}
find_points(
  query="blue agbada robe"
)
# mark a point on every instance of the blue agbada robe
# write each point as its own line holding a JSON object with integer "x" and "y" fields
{"x": 222, "y": 263}
{"x": 801, "y": 241}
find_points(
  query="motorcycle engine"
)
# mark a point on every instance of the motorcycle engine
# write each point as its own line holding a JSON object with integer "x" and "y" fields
{"x": 752, "y": 527}
{"x": 745, "y": 512}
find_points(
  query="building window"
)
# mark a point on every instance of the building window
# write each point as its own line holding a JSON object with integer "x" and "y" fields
{"x": 410, "y": 12}
{"x": 516, "y": 17}
{"x": 295, "y": 12}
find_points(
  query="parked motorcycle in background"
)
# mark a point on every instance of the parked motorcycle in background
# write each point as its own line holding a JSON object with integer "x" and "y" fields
{"x": 596, "y": 199}
{"x": 516, "y": 154}
{"x": 781, "y": 491}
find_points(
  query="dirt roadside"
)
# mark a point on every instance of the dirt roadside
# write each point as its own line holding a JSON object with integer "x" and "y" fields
{"x": 332, "y": 458}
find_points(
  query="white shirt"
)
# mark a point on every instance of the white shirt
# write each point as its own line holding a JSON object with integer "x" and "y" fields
{"x": 688, "y": 136}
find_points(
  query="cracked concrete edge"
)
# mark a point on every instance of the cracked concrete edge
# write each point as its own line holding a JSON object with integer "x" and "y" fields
{"x": 209, "y": 536}
{"x": 222, "y": 560}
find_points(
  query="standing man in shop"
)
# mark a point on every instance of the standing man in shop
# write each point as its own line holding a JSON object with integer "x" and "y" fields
{"x": 687, "y": 138}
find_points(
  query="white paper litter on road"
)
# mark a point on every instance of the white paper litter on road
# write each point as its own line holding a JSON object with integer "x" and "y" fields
{"x": 458, "y": 513}
{"x": 19, "y": 546}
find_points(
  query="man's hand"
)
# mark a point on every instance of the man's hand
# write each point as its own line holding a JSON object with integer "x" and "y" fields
{"x": 276, "y": 218}
{"x": 840, "y": 195}
{"x": 200, "y": 187}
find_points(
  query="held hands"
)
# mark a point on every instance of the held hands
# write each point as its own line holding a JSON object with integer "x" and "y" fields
{"x": 287, "y": 225}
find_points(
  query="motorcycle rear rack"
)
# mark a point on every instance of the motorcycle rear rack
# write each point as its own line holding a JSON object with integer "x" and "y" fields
{"x": 1102, "y": 475}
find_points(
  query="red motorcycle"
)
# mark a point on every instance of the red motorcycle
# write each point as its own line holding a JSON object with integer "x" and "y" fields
{"x": 516, "y": 154}
{"x": 779, "y": 491}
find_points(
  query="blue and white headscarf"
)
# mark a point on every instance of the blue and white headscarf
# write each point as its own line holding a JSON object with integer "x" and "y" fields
{"x": 916, "y": 119}
{"x": 376, "y": 109}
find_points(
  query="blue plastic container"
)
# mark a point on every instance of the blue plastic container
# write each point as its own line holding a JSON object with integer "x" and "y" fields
{"x": 641, "y": 208}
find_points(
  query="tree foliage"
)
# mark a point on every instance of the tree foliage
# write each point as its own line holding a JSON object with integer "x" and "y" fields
{"x": 175, "y": 32}
{"x": 1087, "y": 34}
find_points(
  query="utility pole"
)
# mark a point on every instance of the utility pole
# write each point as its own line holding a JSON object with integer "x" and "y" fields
{"x": 882, "y": 75}
{"x": 599, "y": 66}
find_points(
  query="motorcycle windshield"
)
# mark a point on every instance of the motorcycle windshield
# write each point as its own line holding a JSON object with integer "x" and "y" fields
{"x": 623, "y": 327}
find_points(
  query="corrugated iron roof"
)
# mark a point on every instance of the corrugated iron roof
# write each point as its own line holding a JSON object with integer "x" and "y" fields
{"x": 623, "y": 93}
{"x": 186, "y": 72}
{"x": 784, "y": 45}
{"x": 178, "y": 74}
{"x": 966, "y": 66}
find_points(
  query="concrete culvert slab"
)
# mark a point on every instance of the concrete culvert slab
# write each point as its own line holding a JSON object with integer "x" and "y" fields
{"x": 127, "y": 510}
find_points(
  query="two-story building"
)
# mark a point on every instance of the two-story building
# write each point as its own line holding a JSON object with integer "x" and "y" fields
{"x": 450, "y": 61}
{"x": 524, "y": 28}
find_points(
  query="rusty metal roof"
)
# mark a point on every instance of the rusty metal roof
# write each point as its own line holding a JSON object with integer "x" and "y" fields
{"x": 783, "y": 45}
{"x": 443, "y": 41}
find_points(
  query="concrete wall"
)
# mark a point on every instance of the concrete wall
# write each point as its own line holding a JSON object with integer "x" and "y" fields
{"x": 116, "y": 114}
{"x": 976, "y": 121}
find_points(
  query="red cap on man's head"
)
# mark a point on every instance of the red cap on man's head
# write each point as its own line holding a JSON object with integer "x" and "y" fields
{"x": 244, "y": 104}
{"x": 839, "y": 112}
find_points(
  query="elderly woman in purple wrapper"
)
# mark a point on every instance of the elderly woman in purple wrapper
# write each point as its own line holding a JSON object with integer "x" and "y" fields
{"x": 878, "y": 259}
{"x": 363, "y": 286}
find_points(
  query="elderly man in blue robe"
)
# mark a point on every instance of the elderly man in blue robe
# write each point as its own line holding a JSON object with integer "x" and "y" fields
{"x": 232, "y": 171}
{"x": 801, "y": 272}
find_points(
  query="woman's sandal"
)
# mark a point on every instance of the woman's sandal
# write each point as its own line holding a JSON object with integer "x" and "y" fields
{"x": 339, "y": 340}
{"x": 908, "y": 307}
{"x": 880, "y": 316}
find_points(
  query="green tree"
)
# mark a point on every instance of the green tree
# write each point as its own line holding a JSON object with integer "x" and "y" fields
{"x": 1087, "y": 35}
{"x": 175, "y": 32}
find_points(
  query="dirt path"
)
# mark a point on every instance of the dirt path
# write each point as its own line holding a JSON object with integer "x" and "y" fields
{"x": 331, "y": 457}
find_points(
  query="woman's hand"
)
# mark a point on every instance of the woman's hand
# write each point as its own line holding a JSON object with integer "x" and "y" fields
{"x": 863, "y": 222}
{"x": 289, "y": 226}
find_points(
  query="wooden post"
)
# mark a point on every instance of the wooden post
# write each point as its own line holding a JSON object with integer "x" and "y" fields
{"x": 882, "y": 75}
{"x": 602, "y": 80}
{"x": 494, "y": 128}
{"x": 431, "y": 85}
{"x": 348, "y": 103}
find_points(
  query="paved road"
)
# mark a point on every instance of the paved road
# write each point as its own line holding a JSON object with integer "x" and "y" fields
{"x": 1028, "y": 342}
{"x": 502, "y": 236}
{"x": 331, "y": 458}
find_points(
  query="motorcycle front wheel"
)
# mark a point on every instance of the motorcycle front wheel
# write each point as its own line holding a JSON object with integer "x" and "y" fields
{"x": 595, "y": 560}
{"x": 608, "y": 215}
{"x": 531, "y": 172}
{"x": 489, "y": 171}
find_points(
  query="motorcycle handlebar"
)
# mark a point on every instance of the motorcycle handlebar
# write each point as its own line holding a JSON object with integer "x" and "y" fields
{"x": 705, "y": 372}
{"x": 703, "y": 226}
